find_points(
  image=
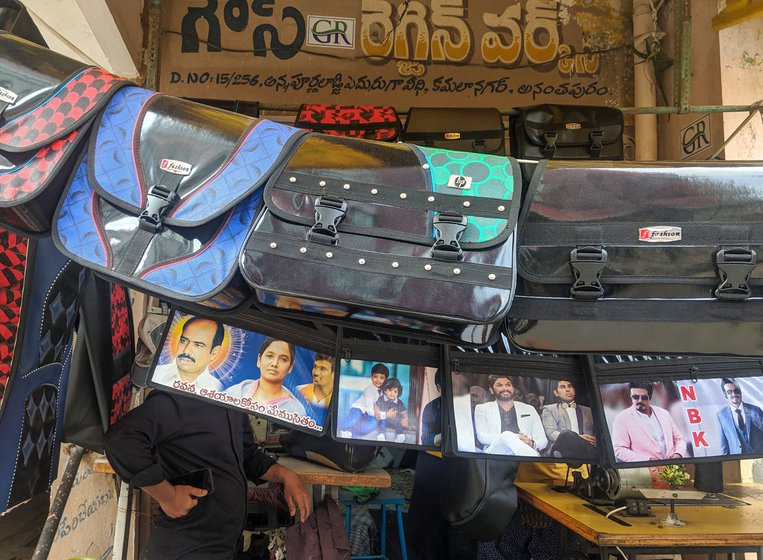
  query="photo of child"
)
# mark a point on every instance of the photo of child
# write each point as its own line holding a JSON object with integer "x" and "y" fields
{"x": 390, "y": 412}
{"x": 389, "y": 403}
{"x": 361, "y": 419}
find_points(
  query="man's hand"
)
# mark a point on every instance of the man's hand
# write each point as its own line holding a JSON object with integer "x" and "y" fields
{"x": 676, "y": 456}
{"x": 175, "y": 501}
{"x": 525, "y": 439}
{"x": 296, "y": 496}
{"x": 590, "y": 439}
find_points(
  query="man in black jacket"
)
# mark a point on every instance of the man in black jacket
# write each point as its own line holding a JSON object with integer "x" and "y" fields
{"x": 178, "y": 438}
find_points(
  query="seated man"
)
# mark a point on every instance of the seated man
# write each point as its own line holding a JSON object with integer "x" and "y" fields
{"x": 507, "y": 427}
{"x": 568, "y": 425}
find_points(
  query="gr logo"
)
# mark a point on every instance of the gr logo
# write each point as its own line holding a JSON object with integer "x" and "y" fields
{"x": 460, "y": 182}
{"x": 329, "y": 31}
{"x": 695, "y": 137}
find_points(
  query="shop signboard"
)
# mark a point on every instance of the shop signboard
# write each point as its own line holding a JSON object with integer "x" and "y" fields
{"x": 402, "y": 53}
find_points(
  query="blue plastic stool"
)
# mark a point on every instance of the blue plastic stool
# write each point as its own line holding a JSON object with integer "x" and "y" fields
{"x": 385, "y": 498}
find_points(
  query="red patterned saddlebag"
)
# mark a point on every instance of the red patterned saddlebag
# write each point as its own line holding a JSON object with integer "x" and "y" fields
{"x": 357, "y": 121}
{"x": 47, "y": 102}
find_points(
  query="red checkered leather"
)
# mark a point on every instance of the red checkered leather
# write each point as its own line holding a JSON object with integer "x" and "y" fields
{"x": 67, "y": 109}
{"x": 13, "y": 258}
{"x": 356, "y": 121}
{"x": 36, "y": 173}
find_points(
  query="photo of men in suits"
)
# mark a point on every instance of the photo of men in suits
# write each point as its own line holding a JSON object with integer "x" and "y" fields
{"x": 568, "y": 424}
{"x": 741, "y": 423}
{"x": 644, "y": 432}
{"x": 505, "y": 426}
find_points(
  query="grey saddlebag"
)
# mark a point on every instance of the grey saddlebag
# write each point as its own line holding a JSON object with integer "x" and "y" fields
{"x": 393, "y": 234}
{"x": 641, "y": 258}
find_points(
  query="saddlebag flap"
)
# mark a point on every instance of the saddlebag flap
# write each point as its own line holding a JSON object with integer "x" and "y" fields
{"x": 166, "y": 193}
{"x": 395, "y": 234}
{"x": 641, "y": 258}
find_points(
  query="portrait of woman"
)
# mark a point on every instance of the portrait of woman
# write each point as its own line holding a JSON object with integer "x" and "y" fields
{"x": 275, "y": 361}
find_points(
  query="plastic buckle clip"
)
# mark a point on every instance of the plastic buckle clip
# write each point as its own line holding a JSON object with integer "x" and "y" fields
{"x": 449, "y": 227}
{"x": 596, "y": 143}
{"x": 329, "y": 211}
{"x": 160, "y": 199}
{"x": 587, "y": 262}
{"x": 735, "y": 266}
{"x": 550, "y": 148}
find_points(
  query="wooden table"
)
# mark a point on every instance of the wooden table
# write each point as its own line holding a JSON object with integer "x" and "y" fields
{"x": 709, "y": 529}
{"x": 320, "y": 480}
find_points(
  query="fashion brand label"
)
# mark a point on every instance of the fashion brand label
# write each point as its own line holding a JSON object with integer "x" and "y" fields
{"x": 176, "y": 167}
{"x": 573, "y": 126}
{"x": 452, "y": 135}
{"x": 659, "y": 234}
{"x": 460, "y": 182}
{"x": 7, "y": 96}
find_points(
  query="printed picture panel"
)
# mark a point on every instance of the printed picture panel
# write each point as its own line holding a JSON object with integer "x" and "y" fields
{"x": 389, "y": 403}
{"x": 523, "y": 417}
{"x": 261, "y": 375}
{"x": 651, "y": 420}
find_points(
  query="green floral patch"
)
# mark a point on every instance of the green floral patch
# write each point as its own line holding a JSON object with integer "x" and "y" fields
{"x": 491, "y": 177}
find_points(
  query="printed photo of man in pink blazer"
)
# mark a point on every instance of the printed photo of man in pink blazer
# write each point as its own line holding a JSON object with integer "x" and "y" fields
{"x": 644, "y": 432}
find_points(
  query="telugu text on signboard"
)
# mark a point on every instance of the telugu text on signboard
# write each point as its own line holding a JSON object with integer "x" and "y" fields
{"x": 395, "y": 52}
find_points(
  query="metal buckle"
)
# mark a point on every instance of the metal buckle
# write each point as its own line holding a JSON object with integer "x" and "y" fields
{"x": 329, "y": 211}
{"x": 596, "y": 143}
{"x": 587, "y": 262}
{"x": 160, "y": 199}
{"x": 735, "y": 265}
{"x": 550, "y": 147}
{"x": 449, "y": 227}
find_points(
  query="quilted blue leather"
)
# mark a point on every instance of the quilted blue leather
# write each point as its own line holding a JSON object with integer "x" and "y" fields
{"x": 206, "y": 271}
{"x": 113, "y": 165}
{"x": 77, "y": 229}
{"x": 244, "y": 169}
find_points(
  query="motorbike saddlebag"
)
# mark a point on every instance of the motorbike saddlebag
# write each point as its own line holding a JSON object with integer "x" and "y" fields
{"x": 394, "y": 234}
{"x": 467, "y": 129}
{"x": 47, "y": 102}
{"x": 565, "y": 132}
{"x": 166, "y": 193}
{"x": 357, "y": 121}
{"x": 39, "y": 295}
{"x": 641, "y": 258}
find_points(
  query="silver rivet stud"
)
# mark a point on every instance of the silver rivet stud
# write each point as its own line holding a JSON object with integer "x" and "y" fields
{"x": 430, "y": 199}
{"x": 374, "y": 191}
{"x": 329, "y": 255}
{"x": 303, "y": 250}
{"x": 467, "y": 203}
{"x": 346, "y": 186}
{"x": 395, "y": 264}
{"x": 361, "y": 261}
{"x": 322, "y": 183}
{"x": 425, "y": 166}
{"x": 292, "y": 179}
{"x": 403, "y": 195}
{"x": 501, "y": 208}
{"x": 456, "y": 271}
{"x": 491, "y": 276}
{"x": 427, "y": 267}
{"x": 273, "y": 245}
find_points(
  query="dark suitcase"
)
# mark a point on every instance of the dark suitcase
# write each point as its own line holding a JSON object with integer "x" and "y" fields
{"x": 47, "y": 102}
{"x": 641, "y": 258}
{"x": 39, "y": 291}
{"x": 356, "y": 121}
{"x": 565, "y": 132}
{"x": 166, "y": 193}
{"x": 466, "y": 129}
{"x": 393, "y": 234}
